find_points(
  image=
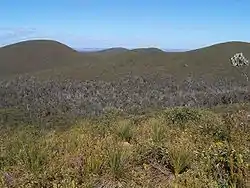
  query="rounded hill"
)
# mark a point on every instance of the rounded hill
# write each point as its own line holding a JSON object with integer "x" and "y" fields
{"x": 227, "y": 47}
{"x": 38, "y": 45}
{"x": 34, "y": 55}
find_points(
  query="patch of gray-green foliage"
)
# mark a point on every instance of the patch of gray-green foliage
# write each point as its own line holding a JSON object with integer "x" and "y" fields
{"x": 56, "y": 98}
{"x": 240, "y": 62}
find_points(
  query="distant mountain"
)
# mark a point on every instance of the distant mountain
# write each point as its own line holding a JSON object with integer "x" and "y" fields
{"x": 89, "y": 49}
{"x": 103, "y": 49}
{"x": 175, "y": 50}
{"x": 114, "y": 50}
{"x": 147, "y": 50}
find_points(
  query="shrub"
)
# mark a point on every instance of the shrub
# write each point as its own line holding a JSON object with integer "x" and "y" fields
{"x": 48, "y": 101}
{"x": 182, "y": 115}
{"x": 226, "y": 165}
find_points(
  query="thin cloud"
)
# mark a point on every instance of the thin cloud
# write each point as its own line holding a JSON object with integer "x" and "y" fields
{"x": 13, "y": 35}
{"x": 10, "y": 35}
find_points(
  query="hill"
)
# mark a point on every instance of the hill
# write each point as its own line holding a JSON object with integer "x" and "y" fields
{"x": 114, "y": 50}
{"x": 148, "y": 50}
{"x": 35, "y": 55}
{"x": 209, "y": 62}
{"x": 50, "y": 58}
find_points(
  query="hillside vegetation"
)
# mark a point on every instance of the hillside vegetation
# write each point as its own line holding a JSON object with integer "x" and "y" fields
{"x": 133, "y": 132}
{"x": 176, "y": 147}
{"x": 47, "y": 58}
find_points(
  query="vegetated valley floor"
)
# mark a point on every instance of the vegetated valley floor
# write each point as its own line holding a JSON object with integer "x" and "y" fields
{"x": 123, "y": 118}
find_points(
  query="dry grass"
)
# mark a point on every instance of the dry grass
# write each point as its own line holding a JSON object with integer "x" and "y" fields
{"x": 160, "y": 153}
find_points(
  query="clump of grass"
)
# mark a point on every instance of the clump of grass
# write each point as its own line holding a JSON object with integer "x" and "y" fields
{"x": 94, "y": 164}
{"x": 125, "y": 130}
{"x": 180, "y": 159}
{"x": 158, "y": 130}
{"x": 116, "y": 162}
{"x": 33, "y": 157}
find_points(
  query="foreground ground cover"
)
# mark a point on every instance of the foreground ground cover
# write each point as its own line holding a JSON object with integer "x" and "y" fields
{"x": 175, "y": 147}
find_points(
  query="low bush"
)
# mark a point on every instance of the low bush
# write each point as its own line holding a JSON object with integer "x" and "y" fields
{"x": 48, "y": 101}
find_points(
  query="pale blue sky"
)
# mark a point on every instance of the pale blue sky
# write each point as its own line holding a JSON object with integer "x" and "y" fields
{"x": 174, "y": 24}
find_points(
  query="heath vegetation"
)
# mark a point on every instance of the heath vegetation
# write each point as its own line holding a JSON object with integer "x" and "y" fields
{"x": 133, "y": 132}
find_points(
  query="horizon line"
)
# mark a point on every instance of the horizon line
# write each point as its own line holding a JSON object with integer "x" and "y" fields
{"x": 166, "y": 49}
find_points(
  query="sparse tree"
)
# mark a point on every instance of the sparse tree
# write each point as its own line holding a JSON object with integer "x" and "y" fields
{"x": 241, "y": 63}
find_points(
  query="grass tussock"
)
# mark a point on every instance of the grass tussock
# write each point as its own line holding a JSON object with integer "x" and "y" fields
{"x": 175, "y": 148}
{"x": 124, "y": 130}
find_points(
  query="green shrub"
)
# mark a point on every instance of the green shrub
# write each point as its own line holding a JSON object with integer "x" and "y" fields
{"x": 182, "y": 115}
{"x": 226, "y": 165}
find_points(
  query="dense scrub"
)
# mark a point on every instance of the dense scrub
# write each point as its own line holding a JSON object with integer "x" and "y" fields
{"x": 41, "y": 101}
{"x": 179, "y": 147}
{"x": 133, "y": 132}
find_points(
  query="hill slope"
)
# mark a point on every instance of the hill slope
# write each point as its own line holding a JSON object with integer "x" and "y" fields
{"x": 35, "y": 55}
{"x": 46, "y": 58}
{"x": 209, "y": 62}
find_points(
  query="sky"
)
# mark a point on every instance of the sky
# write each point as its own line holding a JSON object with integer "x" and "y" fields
{"x": 166, "y": 24}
